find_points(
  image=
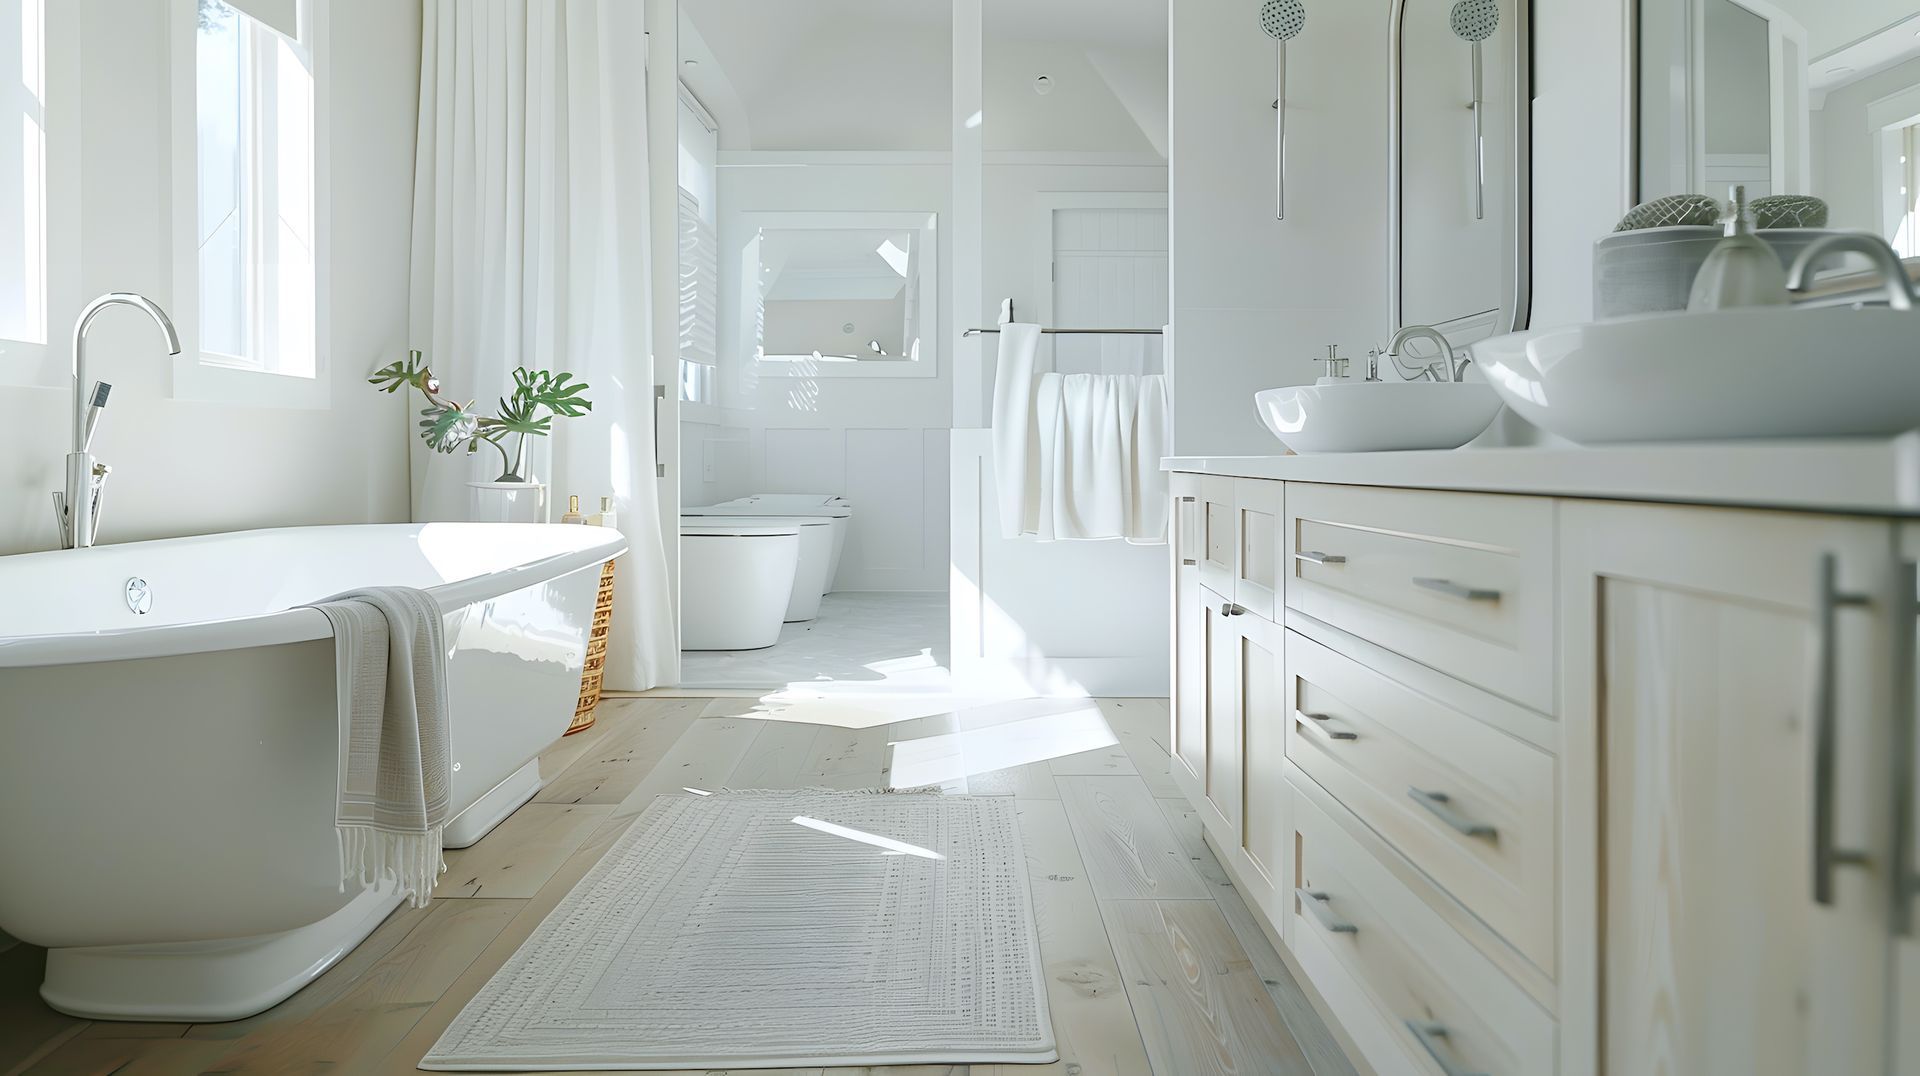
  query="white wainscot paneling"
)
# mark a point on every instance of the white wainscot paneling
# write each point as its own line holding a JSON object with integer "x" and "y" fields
{"x": 1049, "y": 618}
{"x": 884, "y": 481}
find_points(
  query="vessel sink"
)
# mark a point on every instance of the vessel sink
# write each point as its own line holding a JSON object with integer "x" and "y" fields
{"x": 1375, "y": 416}
{"x": 1730, "y": 374}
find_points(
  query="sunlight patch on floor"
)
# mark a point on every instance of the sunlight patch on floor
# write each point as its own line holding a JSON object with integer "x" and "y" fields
{"x": 938, "y": 759}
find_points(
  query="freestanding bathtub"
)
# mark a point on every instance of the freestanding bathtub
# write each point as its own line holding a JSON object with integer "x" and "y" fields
{"x": 169, "y": 734}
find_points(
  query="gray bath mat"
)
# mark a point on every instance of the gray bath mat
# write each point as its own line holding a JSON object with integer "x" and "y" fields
{"x": 778, "y": 929}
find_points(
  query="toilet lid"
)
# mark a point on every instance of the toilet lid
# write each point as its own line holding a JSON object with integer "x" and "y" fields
{"x": 696, "y": 517}
{"x": 741, "y": 508}
{"x": 783, "y": 502}
{"x": 745, "y": 528}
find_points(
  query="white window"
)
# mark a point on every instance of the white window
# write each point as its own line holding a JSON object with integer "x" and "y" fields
{"x": 23, "y": 171}
{"x": 248, "y": 260}
{"x": 254, "y": 128}
{"x": 699, "y": 254}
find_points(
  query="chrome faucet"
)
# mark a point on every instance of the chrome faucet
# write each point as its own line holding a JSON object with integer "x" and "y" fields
{"x": 78, "y": 508}
{"x": 1886, "y": 265}
{"x": 1445, "y": 368}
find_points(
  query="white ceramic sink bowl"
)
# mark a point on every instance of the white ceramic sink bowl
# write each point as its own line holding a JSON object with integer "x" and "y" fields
{"x": 1726, "y": 375}
{"x": 1391, "y": 416}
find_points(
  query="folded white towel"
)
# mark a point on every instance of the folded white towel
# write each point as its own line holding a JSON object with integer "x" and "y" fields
{"x": 395, "y": 766}
{"x": 1077, "y": 456}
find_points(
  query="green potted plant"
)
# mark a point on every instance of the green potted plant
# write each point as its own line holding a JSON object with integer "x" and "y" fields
{"x": 446, "y": 425}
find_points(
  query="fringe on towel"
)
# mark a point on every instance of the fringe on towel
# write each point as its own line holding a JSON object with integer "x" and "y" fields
{"x": 414, "y": 860}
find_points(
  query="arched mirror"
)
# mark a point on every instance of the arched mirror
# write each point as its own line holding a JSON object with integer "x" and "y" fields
{"x": 1460, "y": 166}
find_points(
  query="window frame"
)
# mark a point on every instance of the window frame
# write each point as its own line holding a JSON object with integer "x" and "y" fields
{"x": 49, "y": 363}
{"x": 211, "y": 377}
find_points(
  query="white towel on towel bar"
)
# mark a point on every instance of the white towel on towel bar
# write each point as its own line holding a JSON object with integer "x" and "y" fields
{"x": 1077, "y": 456}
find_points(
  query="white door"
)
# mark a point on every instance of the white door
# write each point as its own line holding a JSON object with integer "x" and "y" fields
{"x": 1745, "y": 821}
{"x": 1109, "y": 270}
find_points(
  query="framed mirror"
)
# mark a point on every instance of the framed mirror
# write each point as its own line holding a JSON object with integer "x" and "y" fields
{"x": 841, "y": 294}
{"x": 1787, "y": 97}
{"x": 1460, "y": 166}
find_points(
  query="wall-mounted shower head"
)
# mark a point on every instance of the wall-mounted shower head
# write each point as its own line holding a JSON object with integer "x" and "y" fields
{"x": 1475, "y": 20}
{"x": 1281, "y": 20}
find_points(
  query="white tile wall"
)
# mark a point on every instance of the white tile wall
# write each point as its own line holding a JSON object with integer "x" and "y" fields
{"x": 1256, "y": 299}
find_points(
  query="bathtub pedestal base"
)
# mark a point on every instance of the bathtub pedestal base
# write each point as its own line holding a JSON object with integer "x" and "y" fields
{"x": 490, "y": 810}
{"x": 210, "y": 981}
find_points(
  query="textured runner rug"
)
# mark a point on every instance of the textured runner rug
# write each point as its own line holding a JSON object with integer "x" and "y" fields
{"x": 778, "y": 929}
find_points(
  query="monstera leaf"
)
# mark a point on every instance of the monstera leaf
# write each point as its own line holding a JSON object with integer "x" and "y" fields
{"x": 412, "y": 371}
{"x": 558, "y": 393}
{"x": 446, "y": 428}
{"x": 521, "y": 415}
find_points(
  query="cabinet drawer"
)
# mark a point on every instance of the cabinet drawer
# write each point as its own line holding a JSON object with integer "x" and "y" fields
{"x": 1457, "y": 581}
{"x": 1425, "y": 997}
{"x": 1472, "y": 807}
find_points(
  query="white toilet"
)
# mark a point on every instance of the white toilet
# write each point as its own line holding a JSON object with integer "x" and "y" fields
{"x": 816, "y": 553}
{"x": 736, "y": 581}
{"x": 812, "y": 505}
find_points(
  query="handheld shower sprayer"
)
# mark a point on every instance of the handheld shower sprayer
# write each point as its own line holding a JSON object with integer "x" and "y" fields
{"x": 96, "y": 404}
{"x": 1283, "y": 20}
{"x": 1474, "y": 21}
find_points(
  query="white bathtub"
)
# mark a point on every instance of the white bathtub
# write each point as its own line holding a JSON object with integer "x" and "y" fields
{"x": 167, "y": 778}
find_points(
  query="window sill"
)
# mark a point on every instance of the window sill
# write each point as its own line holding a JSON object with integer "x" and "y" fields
{"x": 199, "y": 381}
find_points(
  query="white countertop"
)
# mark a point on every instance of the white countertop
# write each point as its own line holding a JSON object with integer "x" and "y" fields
{"x": 1870, "y": 477}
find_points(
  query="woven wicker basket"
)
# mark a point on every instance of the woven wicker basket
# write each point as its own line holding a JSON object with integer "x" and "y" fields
{"x": 596, "y": 666}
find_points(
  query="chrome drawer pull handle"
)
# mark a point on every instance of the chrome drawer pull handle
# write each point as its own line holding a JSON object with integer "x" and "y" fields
{"x": 1442, "y": 807}
{"x": 1188, "y": 562}
{"x": 1428, "y": 1034}
{"x": 1826, "y": 735}
{"x": 1314, "y": 556}
{"x": 1230, "y": 609}
{"x": 1332, "y": 733}
{"x": 1458, "y": 590}
{"x": 1316, "y": 902}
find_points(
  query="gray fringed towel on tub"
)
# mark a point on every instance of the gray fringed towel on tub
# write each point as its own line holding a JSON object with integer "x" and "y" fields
{"x": 395, "y": 763}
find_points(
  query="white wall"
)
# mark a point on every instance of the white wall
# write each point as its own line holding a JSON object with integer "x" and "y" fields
{"x": 1580, "y": 125}
{"x": 881, "y": 442}
{"x": 1843, "y": 151}
{"x": 189, "y": 468}
{"x": 1255, "y": 299}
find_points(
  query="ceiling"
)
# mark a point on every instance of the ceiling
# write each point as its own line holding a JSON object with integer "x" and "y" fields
{"x": 877, "y": 74}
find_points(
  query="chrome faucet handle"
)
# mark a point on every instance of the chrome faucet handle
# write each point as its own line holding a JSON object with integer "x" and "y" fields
{"x": 1886, "y": 265}
{"x": 1444, "y": 367}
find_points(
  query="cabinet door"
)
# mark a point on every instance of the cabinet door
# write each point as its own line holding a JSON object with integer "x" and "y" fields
{"x": 1221, "y": 621}
{"x": 1264, "y": 714}
{"x": 1219, "y": 535}
{"x": 1189, "y": 644}
{"x": 1905, "y": 875}
{"x": 1257, "y": 519}
{"x": 1736, "y": 855}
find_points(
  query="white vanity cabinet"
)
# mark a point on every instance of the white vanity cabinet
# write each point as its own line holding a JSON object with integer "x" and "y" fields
{"x": 1732, "y": 674}
{"x": 1535, "y": 784}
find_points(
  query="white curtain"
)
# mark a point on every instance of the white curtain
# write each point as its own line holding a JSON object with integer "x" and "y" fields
{"x": 530, "y": 247}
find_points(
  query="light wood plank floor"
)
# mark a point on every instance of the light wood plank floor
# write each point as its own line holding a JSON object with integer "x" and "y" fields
{"x": 1153, "y": 963}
